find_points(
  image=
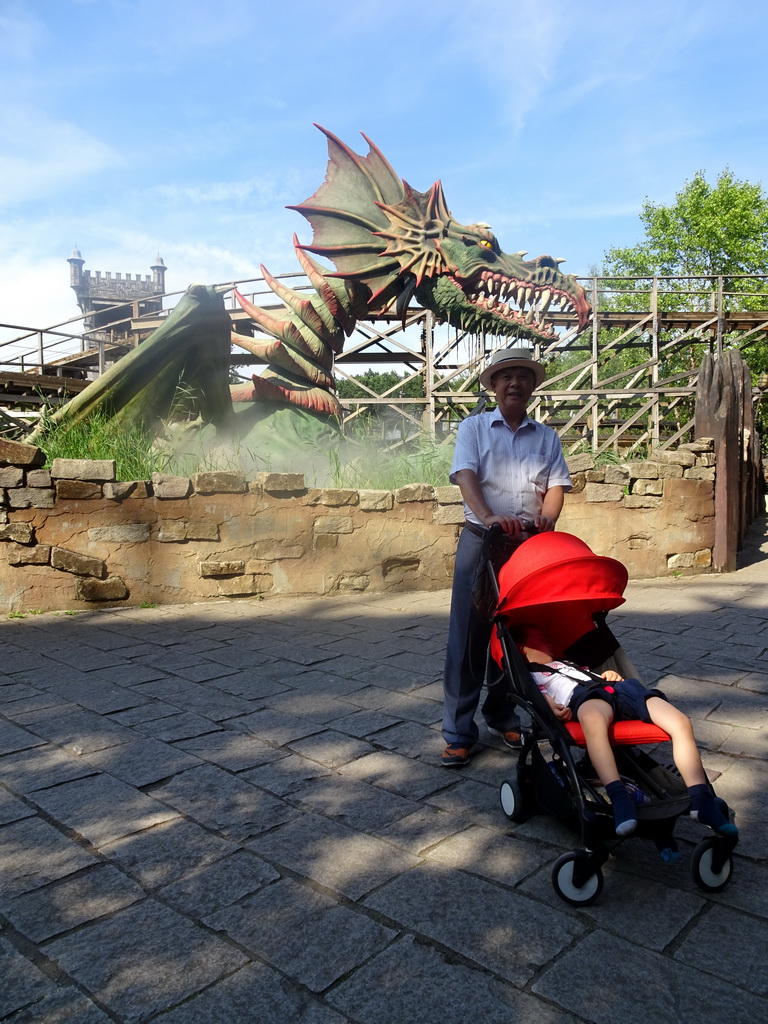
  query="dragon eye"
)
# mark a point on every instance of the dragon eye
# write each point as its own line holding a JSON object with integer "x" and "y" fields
{"x": 486, "y": 244}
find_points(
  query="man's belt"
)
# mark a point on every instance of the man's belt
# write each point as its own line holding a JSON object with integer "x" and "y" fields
{"x": 479, "y": 531}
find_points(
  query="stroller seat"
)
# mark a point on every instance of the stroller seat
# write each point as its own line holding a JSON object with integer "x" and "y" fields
{"x": 622, "y": 734}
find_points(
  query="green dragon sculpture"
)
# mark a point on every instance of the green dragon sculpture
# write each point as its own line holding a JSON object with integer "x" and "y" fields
{"x": 390, "y": 245}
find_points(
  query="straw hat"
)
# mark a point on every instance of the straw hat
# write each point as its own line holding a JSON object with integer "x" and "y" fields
{"x": 505, "y": 357}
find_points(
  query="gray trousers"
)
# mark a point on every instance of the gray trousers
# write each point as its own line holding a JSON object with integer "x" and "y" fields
{"x": 467, "y": 663}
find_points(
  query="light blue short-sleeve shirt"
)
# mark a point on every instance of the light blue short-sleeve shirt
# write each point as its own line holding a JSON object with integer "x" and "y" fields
{"x": 515, "y": 468}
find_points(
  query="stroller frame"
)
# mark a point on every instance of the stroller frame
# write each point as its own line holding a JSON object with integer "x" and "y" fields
{"x": 567, "y": 786}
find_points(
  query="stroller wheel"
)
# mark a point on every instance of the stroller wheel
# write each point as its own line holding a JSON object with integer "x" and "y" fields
{"x": 711, "y": 865}
{"x": 512, "y": 802}
{"x": 563, "y": 880}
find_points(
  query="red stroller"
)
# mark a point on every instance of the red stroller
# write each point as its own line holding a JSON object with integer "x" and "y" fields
{"x": 554, "y": 581}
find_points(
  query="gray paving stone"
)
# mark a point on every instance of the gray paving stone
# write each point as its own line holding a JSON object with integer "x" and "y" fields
{"x": 33, "y": 853}
{"x": 168, "y": 852}
{"x": 142, "y": 761}
{"x": 220, "y": 801}
{"x": 253, "y": 995}
{"x": 41, "y": 767}
{"x": 150, "y": 710}
{"x": 96, "y": 694}
{"x": 356, "y": 804}
{"x": 144, "y": 959}
{"x": 308, "y": 935}
{"x": 477, "y": 802}
{"x": 13, "y": 737}
{"x": 413, "y": 740}
{"x": 12, "y": 809}
{"x": 730, "y": 946}
{"x": 23, "y": 984}
{"x": 332, "y": 749}
{"x": 399, "y": 774}
{"x": 496, "y": 857}
{"x": 181, "y": 726}
{"x": 364, "y": 724}
{"x": 81, "y": 731}
{"x": 593, "y": 981}
{"x": 413, "y": 984}
{"x": 317, "y": 707}
{"x": 66, "y": 1006}
{"x": 419, "y": 832}
{"x": 286, "y": 775}
{"x": 218, "y": 885}
{"x": 235, "y": 751}
{"x": 337, "y": 858}
{"x": 101, "y": 808}
{"x": 275, "y": 727}
{"x": 249, "y": 685}
{"x": 654, "y": 914}
{"x": 502, "y": 931}
{"x": 64, "y": 904}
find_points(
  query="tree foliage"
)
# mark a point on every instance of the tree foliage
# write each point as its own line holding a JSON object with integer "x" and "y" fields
{"x": 711, "y": 230}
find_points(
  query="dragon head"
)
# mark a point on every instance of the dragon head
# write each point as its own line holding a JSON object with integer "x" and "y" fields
{"x": 390, "y": 243}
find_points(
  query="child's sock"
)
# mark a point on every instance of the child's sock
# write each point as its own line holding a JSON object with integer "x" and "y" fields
{"x": 623, "y": 808}
{"x": 705, "y": 810}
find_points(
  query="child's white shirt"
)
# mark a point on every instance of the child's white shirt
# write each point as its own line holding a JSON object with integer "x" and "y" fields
{"x": 559, "y": 681}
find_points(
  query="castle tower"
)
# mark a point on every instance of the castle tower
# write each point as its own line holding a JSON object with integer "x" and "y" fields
{"x": 110, "y": 301}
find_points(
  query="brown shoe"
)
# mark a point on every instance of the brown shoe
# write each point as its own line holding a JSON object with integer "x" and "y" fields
{"x": 509, "y": 736}
{"x": 455, "y": 756}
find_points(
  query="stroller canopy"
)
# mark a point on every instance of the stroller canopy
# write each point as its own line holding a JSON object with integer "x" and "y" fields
{"x": 556, "y": 582}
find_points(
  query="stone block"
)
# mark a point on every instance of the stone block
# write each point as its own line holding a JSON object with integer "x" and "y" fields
{"x": 74, "y": 562}
{"x": 201, "y": 529}
{"x": 377, "y": 501}
{"x": 333, "y": 524}
{"x": 415, "y": 492}
{"x": 350, "y": 582}
{"x": 648, "y": 487}
{"x": 110, "y": 589}
{"x": 100, "y": 470}
{"x": 167, "y": 487}
{"x": 20, "y": 533}
{"x": 272, "y": 551}
{"x": 642, "y": 470}
{"x": 332, "y": 496}
{"x": 38, "y": 478}
{"x": 580, "y": 463}
{"x": 235, "y": 568}
{"x": 700, "y": 445}
{"x": 245, "y": 586}
{"x": 699, "y": 473}
{"x": 448, "y": 515}
{"x": 616, "y": 475}
{"x": 702, "y": 559}
{"x": 11, "y": 476}
{"x": 596, "y": 476}
{"x": 682, "y": 560}
{"x": 121, "y": 489}
{"x": 670, "y": 471}
{"x": 219, "y": 483}
{"x": 78, "y": 490}
{"x": 709, "y": 459}
{"x": 325, "y": 542}
{"x": 578, "y": 483}
{"x": 449, "y": 495}
{"x": 279, "y": 483}
{"x": 603, "y": 492}
{"x": 125, "y": 533}
{"x": 39, "y": 554}
{"x": 31, "y": 497}
{"x": 172, "y": 531}
{"x": 679, "y": 458}
{"x": 638, "y": 542}
{"x": 15, "y": 453}
{"x": 642, "y": 501}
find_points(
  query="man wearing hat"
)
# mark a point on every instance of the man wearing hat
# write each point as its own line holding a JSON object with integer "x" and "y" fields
{"x": 511, "y": 470}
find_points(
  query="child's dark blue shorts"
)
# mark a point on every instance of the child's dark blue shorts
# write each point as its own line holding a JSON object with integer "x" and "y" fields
{"x": 627, "y": 697}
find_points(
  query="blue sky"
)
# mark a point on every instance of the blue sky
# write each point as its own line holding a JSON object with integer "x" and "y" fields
{"x": 184, "y": 127}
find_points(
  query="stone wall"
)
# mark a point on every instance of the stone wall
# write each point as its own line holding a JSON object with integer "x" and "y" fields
{"x": 74, "y": 537}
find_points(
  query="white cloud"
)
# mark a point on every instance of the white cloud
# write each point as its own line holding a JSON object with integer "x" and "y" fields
{"x": 41, "y": 155}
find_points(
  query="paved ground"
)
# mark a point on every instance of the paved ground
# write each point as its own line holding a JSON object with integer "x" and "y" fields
{"x": 234, "y": 813}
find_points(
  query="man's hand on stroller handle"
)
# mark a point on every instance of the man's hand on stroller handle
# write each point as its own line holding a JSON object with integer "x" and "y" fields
{"x": 511, "y": 525}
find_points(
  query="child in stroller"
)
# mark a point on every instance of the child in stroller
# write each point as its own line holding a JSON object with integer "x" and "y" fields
{"x": 596, "y": 700}
{"x": 553, "y": 597}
